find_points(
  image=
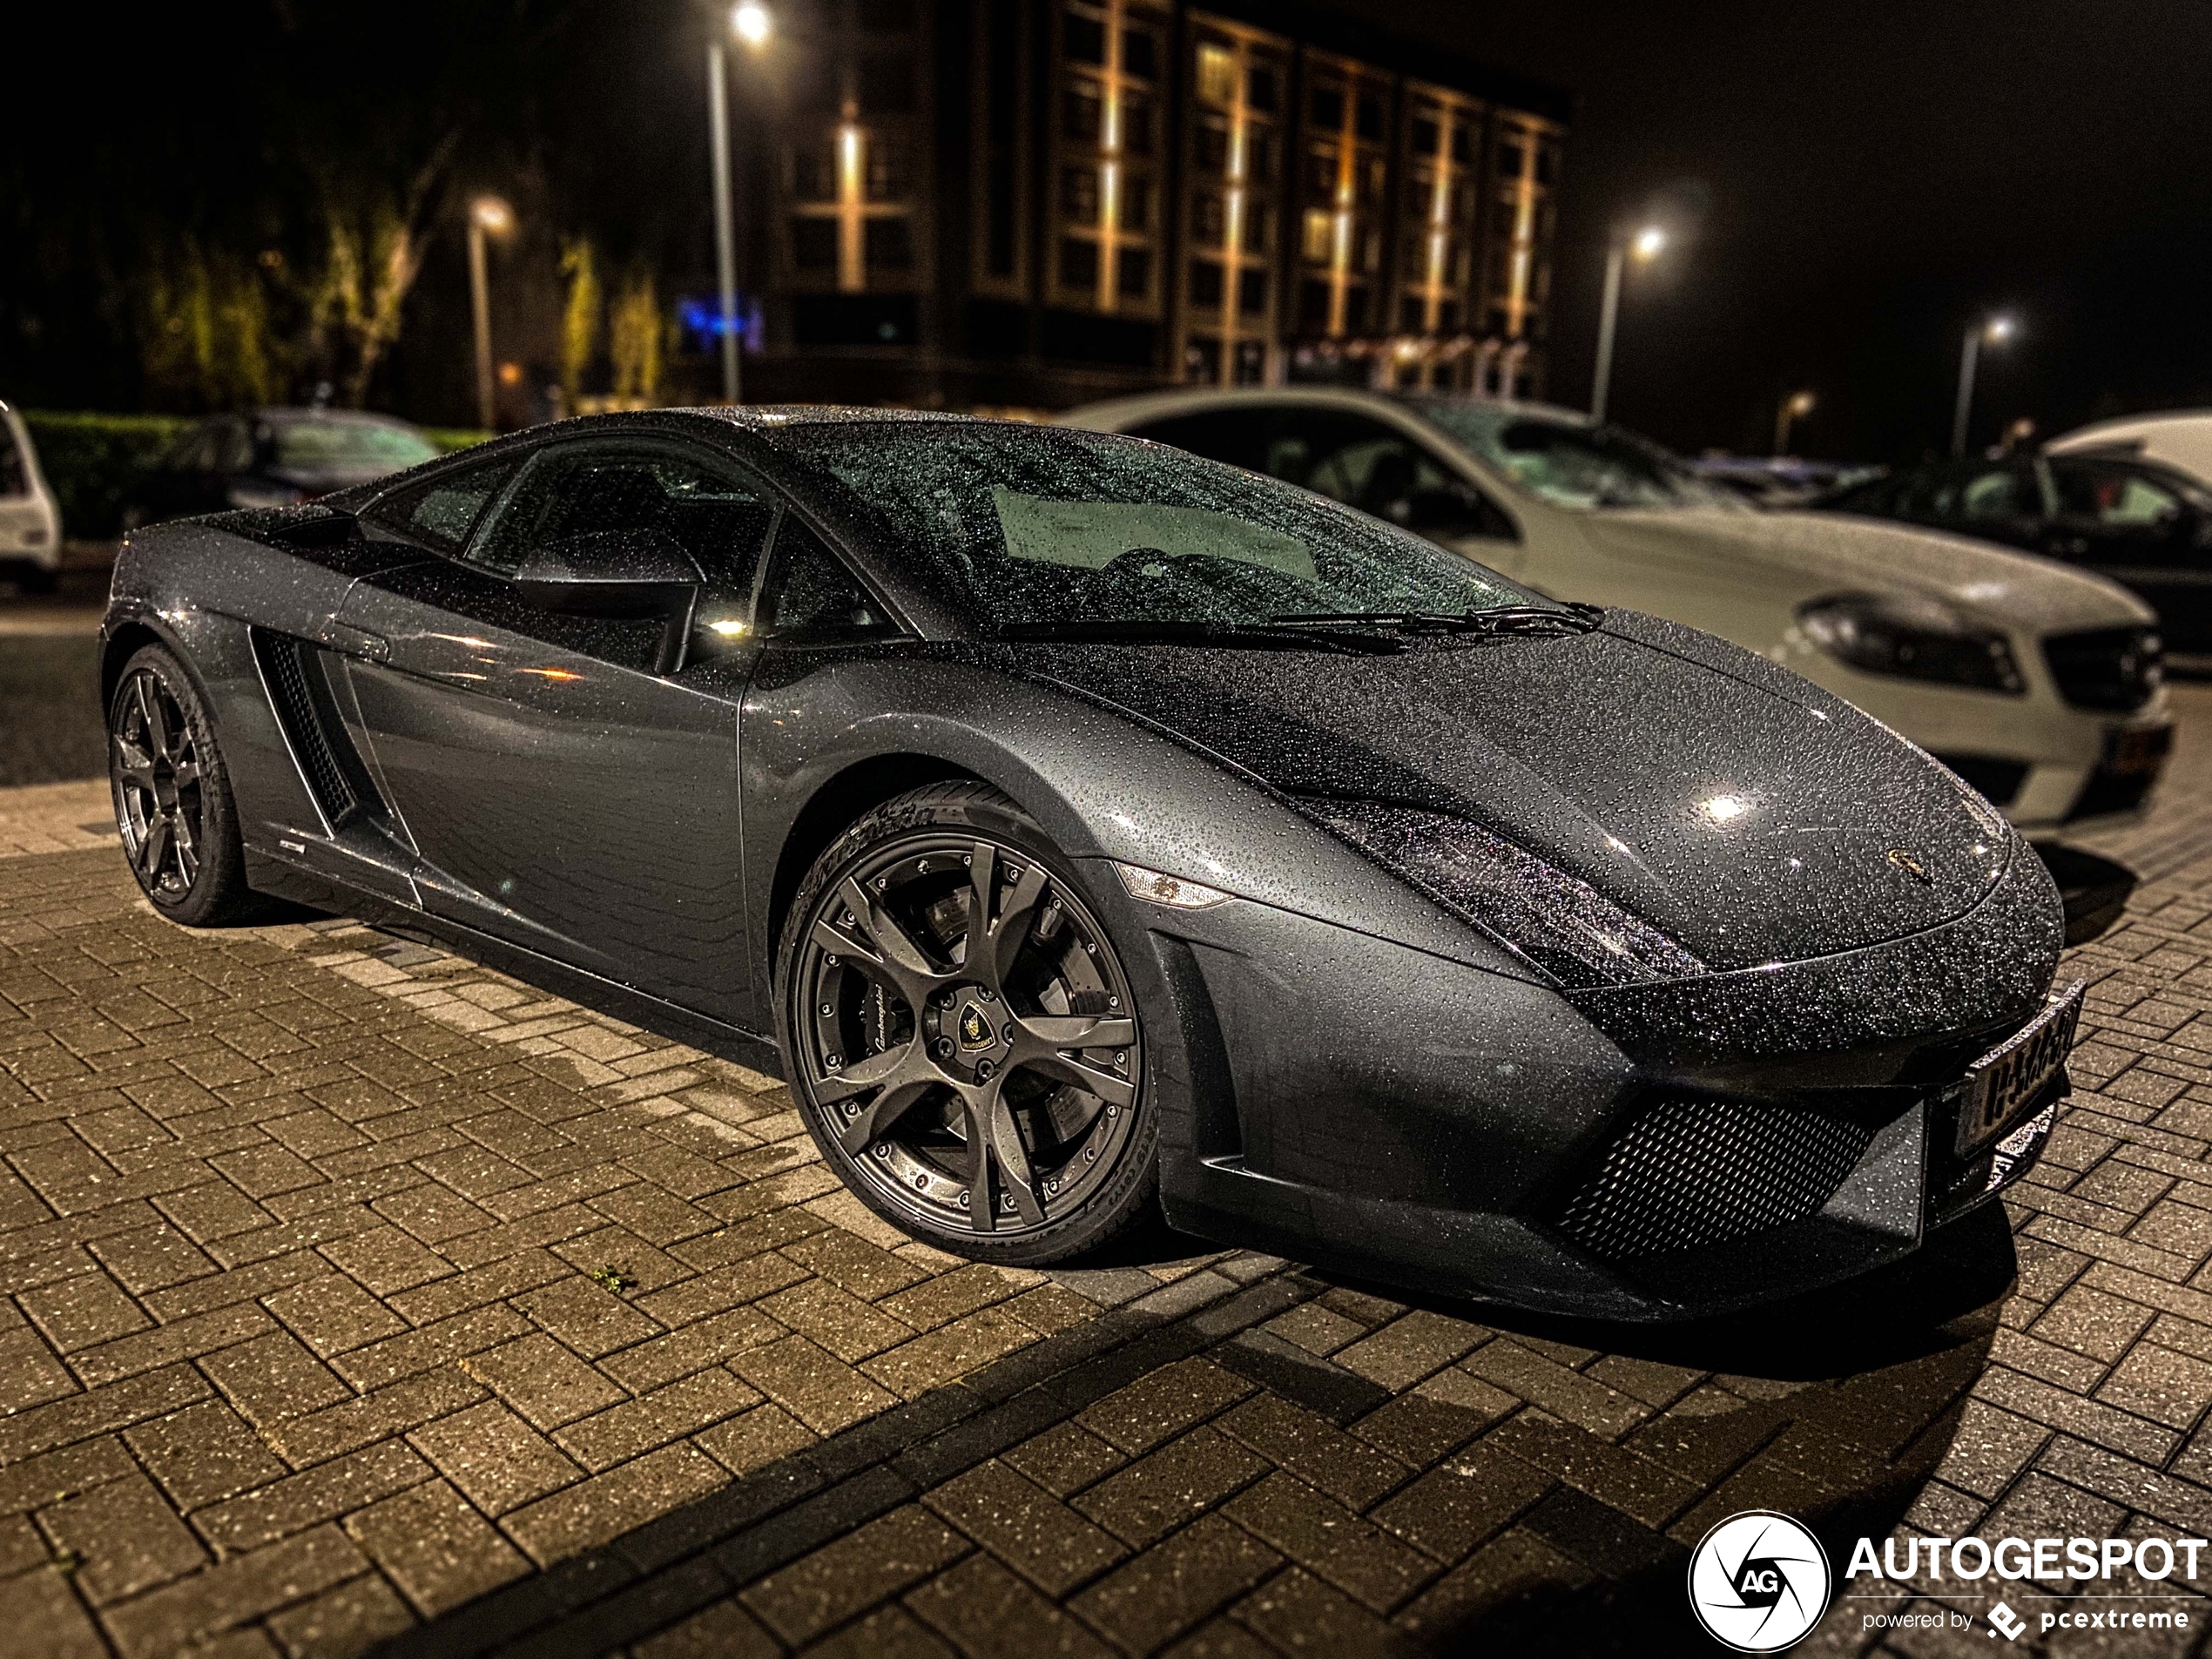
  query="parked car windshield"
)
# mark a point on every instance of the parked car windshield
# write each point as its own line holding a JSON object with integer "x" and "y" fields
{"x": 1038, "y": 525}
{"x": 320, "y": 444}
{"x": 1572, "y": 463}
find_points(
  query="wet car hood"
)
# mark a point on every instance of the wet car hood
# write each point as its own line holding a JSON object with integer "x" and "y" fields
{"x": 1746, "y": 813}
{"x": 1836, "y": 553}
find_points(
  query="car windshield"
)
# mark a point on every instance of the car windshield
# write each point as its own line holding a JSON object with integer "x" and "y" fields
{"x": 1035, "y": 526}
{"x": 324, "y": 444}
{"x": 1572, "y": 463}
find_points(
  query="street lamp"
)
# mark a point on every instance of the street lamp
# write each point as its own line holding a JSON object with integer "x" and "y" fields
{"x": 1794, "y": 407}
{"x": 1995, "y": 330}
{"x": 751, "y": 24}
{"x": 488, "y": 215}
{"x": 1646, "y": 245}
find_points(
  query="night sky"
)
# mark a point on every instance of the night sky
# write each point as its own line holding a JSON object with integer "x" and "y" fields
{"x": 1875, "y": 174}
{"x": 1873, "y": 178}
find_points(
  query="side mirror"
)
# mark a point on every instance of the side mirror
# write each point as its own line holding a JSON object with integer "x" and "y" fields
{"x": 619, "y": 573}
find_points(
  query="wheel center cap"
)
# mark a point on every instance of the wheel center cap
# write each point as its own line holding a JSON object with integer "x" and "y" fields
{"x": 973, "y": 1027}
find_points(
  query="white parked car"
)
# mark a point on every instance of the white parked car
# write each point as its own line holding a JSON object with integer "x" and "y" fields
{"x": 2181, "y": 438}
{"x": 30, "y": 523}
{"x": 2037, "y": 683}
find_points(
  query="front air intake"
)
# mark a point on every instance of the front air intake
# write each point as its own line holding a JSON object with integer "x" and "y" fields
{"x": 1693, "y": 1172}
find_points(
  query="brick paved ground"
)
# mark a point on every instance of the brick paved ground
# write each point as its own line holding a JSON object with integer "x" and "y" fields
{"x": 357, "y": 1294}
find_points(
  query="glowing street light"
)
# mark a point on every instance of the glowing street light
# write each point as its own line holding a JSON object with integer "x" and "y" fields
{"x": 1646, "y": 245}
{"x": 1995, "y": 330}
{"x": 1794, "y": 407}
{"x": 753, "y": 26}
{"x": 487, "y": 216}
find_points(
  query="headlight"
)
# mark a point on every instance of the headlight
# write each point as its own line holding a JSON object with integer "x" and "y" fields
{"x": 1560, "y": 924}
{"x": 1913, "y": 637}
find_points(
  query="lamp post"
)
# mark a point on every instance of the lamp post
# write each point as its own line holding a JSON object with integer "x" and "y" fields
{"x": 1645, "y": 247}
{"x": 488, "y": 215}
{"x": 1996, "y": 330}
{"x": 751, "y": 24}
{"x": 1794, "y": 407}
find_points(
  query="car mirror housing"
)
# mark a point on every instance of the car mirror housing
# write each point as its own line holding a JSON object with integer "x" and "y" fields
{"x": 618, "y": 573}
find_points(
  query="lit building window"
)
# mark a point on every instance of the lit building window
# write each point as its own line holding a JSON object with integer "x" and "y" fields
{"x": 1109, "y": 58}
{"x": 1228, "y": 324}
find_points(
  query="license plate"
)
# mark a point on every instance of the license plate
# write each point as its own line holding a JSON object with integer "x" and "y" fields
{"x": 2009, "y": 1077}
{"x": 2142, "y": 749}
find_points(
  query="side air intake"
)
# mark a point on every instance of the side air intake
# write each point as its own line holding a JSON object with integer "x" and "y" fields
{"x": 294, "y": 671}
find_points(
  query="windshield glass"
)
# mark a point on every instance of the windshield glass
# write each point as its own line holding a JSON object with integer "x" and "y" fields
{"x": 324, "y": 444}
{"x": 1041, "y": 525}
{"x": 1569, "y": 464}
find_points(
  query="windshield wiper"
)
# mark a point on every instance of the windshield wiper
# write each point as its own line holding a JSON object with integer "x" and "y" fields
{"x": 1265, "y": 635}
{"x": 1503, "y": 619}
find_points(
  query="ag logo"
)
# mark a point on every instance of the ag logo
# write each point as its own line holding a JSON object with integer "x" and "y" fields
{"x": 1758, "y": 1581}
{"x": 975, "y": 1029}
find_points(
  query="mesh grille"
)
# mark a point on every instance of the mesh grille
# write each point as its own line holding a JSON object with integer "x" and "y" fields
{"x": 288, "y": 678}
{"x": 2117, "y": 669}
{"x": 1692, "y": 1172}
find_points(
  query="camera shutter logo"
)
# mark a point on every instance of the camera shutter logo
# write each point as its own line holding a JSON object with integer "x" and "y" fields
{"x": 1758, "y": 1581}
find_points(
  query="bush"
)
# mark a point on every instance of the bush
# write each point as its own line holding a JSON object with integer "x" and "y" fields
{"x": 93, "y": 462}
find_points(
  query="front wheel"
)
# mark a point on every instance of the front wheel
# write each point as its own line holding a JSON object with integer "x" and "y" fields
{"x": 961, "y": 1034}
{"x": 172, "y": 795}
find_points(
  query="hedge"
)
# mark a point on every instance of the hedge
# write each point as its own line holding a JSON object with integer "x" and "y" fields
{"x": 93, "y": 462}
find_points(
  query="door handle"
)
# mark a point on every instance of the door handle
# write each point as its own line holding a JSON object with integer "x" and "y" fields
{"x": 357, "y": 642}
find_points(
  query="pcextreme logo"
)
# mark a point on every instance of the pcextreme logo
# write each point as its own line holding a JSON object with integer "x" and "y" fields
{"x": 1758, "y": 1581}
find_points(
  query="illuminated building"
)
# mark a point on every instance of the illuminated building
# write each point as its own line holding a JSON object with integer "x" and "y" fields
{"x": 1032, "y": 203}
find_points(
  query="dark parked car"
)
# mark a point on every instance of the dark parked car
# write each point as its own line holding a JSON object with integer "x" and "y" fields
{"x": 273, "y": 458}
{"x": 2145, "y": 525}
{"x": 1069, "y": 818}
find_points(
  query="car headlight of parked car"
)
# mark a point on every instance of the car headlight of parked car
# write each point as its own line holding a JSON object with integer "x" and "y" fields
{"x": 1913, "y": 637}
{"x": 1555, "y": 920}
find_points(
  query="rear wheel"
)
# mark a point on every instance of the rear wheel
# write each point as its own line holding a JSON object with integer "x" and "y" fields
{"x": 961, "y": 1034}
{"x": 172, "y": 796}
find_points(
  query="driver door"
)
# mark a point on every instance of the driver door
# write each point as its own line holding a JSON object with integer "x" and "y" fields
{"x": 562, "y": 795}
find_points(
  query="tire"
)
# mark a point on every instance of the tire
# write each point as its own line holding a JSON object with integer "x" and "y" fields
{"x": 172, "y": 798}
{"x": 955, "y": 1094}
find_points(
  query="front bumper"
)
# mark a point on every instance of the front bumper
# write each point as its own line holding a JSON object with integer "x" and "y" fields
{"x": 1386, "y": 1114}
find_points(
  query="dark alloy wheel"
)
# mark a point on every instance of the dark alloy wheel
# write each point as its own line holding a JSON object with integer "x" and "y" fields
{"x": 172, "y": 800}
{"x": 963, "y": 1034}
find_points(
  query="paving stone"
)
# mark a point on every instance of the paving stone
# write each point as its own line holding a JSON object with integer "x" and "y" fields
{"x": 879, "y": 1560}
{"x": 438, "y": 1550}
{"x": 1146, "y": 1412}
{"x": 682, "y": 1408}
{"x": 494, "y": 1456}
{"x": 1156, "y": 1597}
{"x": 543, "y": 1381}
{"x": 1026, "y": 1526}
{"x": 988, "y": 1613}
{"x": 1170, "y": 1485}
{"x": 1065, "y": 1459}
{"x": 343, "y": 1621}
{"x": 814, "y": 1385}
{"x": 606, "y": 1506}
{"x": 1315, "y": 1449}
{"x": 203, "y": 1455}
{"x": 127, "y": 1536}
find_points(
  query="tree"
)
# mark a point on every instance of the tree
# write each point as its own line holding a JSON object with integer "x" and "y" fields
{"x": 579, "y": 319}
{"x": 636, "y": 339}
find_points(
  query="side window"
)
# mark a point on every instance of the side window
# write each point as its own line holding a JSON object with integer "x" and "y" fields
{"x": 1235, "y": 435}
{"x": 14, "y": 477}
{"x": 440, "y": 514}
{"x": 1989, "y": 496}
{"x": 2111, "y": 497}
{"x": 813, "y": 599}
{"x": 1379, "y": 469}
{"x": 581, "y": 489}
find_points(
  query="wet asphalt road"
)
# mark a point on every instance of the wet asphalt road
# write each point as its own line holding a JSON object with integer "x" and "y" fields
{"x": 50, "y": 730}
{"x": 49, "y": 715}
